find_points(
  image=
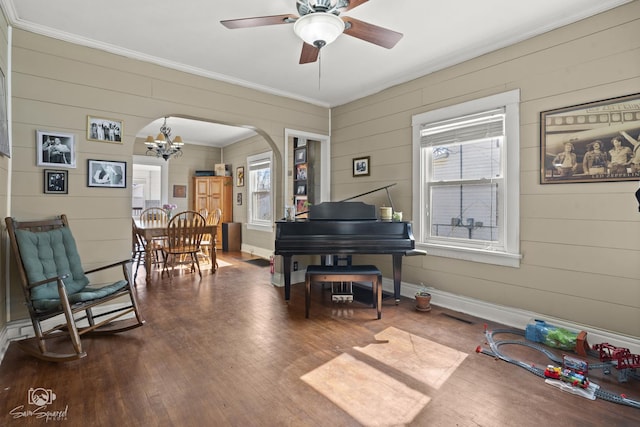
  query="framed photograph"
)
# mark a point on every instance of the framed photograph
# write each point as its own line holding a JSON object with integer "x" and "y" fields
{"x": 593, "y": 142}
{"x": 299, "y": 142}
{"x": 240, "y": 176}
{"x": 239, "y": 199}
{"x": 301, "y": 206}
{"x": 361, "y": 166}
{"x": 106, "y": 173}
{"x": 301, "y": 172}
{"x": 5, "y": 148}
{"x": 55, "y": 149}
{"x": 301, "y": 189}
{"x": 104, "y": 130}
{"x": 180, "y": 191}
{"x": 56, "y": 181}
{"x": 301, "y": 156}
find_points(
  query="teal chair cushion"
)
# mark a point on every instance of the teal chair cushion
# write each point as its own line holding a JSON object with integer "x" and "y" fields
{"x": 49, "y": 254}
{"x": 87, "y": 294}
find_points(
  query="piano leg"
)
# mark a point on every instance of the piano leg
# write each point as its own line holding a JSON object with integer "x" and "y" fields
{"x": 286, "y": 266}
{"x": 397, "y": 276}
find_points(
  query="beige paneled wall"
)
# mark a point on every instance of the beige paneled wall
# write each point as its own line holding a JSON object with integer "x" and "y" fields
{"x": 236, "y": 155}
{"x": 580, "y": 242}
{"x": 57, "y": 84}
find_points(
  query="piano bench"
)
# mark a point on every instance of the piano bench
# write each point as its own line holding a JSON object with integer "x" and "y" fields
{"x": 344, "y": 273}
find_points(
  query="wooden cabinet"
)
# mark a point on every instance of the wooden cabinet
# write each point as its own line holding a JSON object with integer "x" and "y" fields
{"x": 211, "y": 193}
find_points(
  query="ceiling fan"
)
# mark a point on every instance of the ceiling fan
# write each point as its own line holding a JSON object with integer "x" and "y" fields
{"x": 320, "y": 23}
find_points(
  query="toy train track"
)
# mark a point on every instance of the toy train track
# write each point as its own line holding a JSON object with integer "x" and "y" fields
{"x": 495, "y": 345}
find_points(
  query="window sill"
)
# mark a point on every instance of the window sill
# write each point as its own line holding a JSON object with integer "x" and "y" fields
{"x": 476, "y": 255}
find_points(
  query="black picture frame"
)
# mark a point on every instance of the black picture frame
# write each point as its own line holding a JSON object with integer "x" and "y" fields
{"x": 592, "y": 142}
{"x": 56, "y": 181}
{"x": 300, "y": 155}
{"x": 361, "y": 166}
{"x": 106, "y": 174}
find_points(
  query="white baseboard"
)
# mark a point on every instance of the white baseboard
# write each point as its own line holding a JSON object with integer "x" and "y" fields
{"x": 256, "y": 251}
{"x": 514, "y": 318}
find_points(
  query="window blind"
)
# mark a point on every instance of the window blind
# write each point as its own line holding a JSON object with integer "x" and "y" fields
{"x": 468, "y": 128}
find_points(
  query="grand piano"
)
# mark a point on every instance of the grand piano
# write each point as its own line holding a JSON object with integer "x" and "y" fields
{"x": 344, "y": 228}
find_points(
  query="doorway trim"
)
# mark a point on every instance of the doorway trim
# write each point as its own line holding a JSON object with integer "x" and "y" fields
{"x": 325, "y": 162}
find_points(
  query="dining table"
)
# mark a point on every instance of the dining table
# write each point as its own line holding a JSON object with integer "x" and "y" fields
{"x": 156, "y": 228}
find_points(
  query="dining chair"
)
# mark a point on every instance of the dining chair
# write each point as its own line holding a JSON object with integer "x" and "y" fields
{"x": 139, "y": 250}
{"x": 183, "y": 240}
{"x": 156, "y": 216}
{"x": 209, "y": 251}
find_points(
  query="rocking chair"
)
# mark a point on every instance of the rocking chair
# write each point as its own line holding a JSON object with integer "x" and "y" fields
{"x": 55, "y": 284}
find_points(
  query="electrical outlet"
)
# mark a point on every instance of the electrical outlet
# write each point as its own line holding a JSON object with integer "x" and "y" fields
{"x": 295, "y": 265}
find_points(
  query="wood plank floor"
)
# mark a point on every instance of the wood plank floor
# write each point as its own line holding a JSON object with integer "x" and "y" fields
{"x": 227, "y": 351}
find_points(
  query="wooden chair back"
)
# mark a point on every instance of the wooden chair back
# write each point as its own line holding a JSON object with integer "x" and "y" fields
{"x": 156, "y": 216}
{"x": 184, "y": 236}
{"x": 185, "y": 232}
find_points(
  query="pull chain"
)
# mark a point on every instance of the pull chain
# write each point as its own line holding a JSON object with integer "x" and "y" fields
{"x": 319, "y": 67}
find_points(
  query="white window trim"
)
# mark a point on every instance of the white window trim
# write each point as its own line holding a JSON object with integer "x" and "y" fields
{"x": 253, "y": 226}
{"x": 510, "y": 256}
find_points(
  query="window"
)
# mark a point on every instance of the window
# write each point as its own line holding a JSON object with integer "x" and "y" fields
{"x": 259, "y": 187}
{"x": 466, "y": 170}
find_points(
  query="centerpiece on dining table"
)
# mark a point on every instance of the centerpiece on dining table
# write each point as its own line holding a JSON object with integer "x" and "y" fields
{"x": 169, "y": 208}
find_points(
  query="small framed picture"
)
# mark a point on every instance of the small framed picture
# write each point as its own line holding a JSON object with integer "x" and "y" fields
{"x": 56, "y": 181}
{"x": 106, "y": 173}
{"x": 301, "y": 156}
{"x": 361, "y": 166}
{"x": 301, "y": 172}
{"x": 56, "y": 149}
{"x": 104, "y": 130}
{"x": 180, "y": 191}
{"x": 301, "y": 189}
{"x": 240, "y": 176}
{"x": 239, "y": 199}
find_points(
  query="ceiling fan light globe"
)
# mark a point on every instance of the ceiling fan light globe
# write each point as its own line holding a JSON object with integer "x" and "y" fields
{"x": 318, "y": 29}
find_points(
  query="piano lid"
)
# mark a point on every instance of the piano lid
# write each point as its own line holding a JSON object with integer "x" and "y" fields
{"x": 342, "y": 211}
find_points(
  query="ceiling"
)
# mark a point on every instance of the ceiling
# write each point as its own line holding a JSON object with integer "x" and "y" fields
{"x": 188, "y": 36}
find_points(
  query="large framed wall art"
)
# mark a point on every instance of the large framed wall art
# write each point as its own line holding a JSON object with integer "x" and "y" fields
{"x": 593, "y": 142}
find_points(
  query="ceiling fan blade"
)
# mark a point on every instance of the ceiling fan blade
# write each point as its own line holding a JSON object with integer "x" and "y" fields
{"x": 259, "y": 21}
{"x": 354, "y": 3}
{"x": 309, "y": 53}
{"x": 371, "y": 33}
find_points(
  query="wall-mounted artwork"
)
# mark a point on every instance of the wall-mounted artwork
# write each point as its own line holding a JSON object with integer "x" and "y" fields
{"x": 301, "y": 156}
{"x": 240, "y": 176}
{"x": 105, "y": 173}
{"x": 592, "y": 142}
{"x": 55, "y": 149}
{"x": 104, "y": 130}
{"x": 180, "y": 191}
{"x": 56, "y": 181}
{"x": 361, "y": 166}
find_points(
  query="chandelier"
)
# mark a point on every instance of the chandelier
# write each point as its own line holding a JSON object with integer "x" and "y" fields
{"x": 162, "y": 145}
